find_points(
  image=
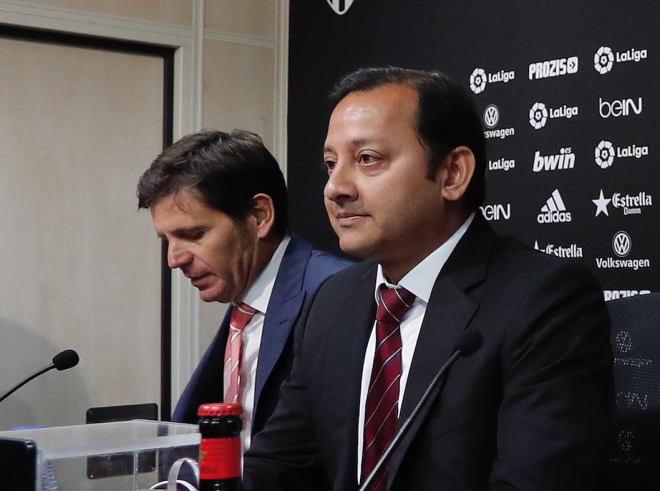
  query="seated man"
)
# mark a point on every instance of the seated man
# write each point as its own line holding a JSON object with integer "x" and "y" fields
{"x": 531, "y": 410}
{"x": 220, "y": 200}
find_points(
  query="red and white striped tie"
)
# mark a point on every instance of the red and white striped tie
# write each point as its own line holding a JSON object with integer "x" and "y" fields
{"x": 241, "y": 316}
{"x": 381, "y": 410}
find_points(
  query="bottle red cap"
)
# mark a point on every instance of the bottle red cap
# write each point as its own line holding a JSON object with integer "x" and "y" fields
{"x": 220, "y": 409}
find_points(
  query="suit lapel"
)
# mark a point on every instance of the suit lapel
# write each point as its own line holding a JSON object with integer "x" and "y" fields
{"x": 448, "y": 314}
{"x": 284, "y": 307}
{"x": 359, "y": 308}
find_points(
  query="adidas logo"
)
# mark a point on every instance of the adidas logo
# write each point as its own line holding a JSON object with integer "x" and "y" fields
{"x": 554, "y": 210}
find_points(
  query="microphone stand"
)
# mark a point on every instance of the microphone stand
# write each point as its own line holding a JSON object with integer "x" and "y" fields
{"x": 404, "y": 429}
{"x": 21, "y": 384}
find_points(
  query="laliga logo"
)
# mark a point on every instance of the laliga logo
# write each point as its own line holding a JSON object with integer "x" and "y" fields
{"x": 538, "y": 115}
{"x": 340, "y": 6}
{"x": 603, "y": 60}
{"x": 478, "y": 80}
{"x": 604, "y": 154}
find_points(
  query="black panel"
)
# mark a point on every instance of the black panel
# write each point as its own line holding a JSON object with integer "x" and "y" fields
{"x": 461, "y": 37}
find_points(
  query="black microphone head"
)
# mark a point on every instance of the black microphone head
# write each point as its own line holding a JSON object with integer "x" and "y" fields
{"x": 469, "y": 342}
{"x": 66, "y": 359}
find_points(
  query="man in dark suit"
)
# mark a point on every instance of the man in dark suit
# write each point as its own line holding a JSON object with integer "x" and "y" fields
{"x": 221, "y": 202}
{"x": 530, "y": 410}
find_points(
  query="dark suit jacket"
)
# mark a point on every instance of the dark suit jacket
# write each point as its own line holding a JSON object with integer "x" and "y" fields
{"x": 531, "y": 410}
{"x": 302, "y": 270}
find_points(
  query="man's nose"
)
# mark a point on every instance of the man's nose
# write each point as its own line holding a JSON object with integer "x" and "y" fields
{"x": 341, "y": 185}
{"x": 177, "y": 255}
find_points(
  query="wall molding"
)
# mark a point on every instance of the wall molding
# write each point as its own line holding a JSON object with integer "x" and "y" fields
{"x": 246, "y": 40}
{"x": 187, "y": 107}
{"x": 93, "y": 24}
{"x": 282, "y": 85}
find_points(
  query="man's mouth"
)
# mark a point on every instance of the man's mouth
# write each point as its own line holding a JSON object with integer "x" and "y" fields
{"x": 197, "y": 280}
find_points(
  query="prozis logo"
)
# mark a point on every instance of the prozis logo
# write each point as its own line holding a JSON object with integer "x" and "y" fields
{"x": 553, "y": 68}
{"x": 501, "y": 164}
{"x": 630, "y": 204}
{"x": 617, "y": 294}
{"x": 605, "y": 57}
{"x": 622, "y": 246}
{"x": 340, "y": 6}
{"x": 565, "y": 159}
{"x": 539, "y": 114}
{"x": 496, "y": 212}
{"x": 554, "y": 210}
{"x": 618, "y": 108}
{"x": 491, "y": 120}
{"x": 606, "y": 151}
{"x": 572, "y": 250}
{"x": 479, "y": 79}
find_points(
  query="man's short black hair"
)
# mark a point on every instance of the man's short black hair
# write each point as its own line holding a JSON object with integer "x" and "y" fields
{"x": 223, "y": 170}
{"x": 446, "y": 117}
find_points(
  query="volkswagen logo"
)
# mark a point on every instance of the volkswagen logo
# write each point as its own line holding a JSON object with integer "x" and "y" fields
{"x": 491, "y": 116}
{"x": 621, "y": 244}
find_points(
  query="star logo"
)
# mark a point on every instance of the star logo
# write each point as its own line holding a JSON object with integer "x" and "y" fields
{"x": 601, "y": 204}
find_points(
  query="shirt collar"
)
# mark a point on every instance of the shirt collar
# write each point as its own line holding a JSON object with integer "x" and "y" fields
{"x": 258, "y": 295}
{"x": 420, "y": 280}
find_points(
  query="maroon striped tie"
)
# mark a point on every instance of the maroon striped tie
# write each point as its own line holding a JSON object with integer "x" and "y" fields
{"x": 381, "y": 410}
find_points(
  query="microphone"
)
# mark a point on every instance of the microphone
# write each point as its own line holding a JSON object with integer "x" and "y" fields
{"x": 62, "y": 361}
{"x": 468, "y": 343}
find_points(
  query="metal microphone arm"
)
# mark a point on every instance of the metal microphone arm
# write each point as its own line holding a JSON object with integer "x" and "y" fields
{"x": 404, "y": 429}
{"x": 21, "y": 384}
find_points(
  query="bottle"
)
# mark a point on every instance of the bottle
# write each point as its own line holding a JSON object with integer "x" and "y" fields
{"x": 220, "y": 449}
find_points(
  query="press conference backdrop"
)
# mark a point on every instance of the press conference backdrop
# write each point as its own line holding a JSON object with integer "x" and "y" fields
{"x": 568, "y": 96}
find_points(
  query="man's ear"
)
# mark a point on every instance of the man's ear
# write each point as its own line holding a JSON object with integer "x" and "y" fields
{"x": 456, "y": 173}
{"x": 262, "y": 214}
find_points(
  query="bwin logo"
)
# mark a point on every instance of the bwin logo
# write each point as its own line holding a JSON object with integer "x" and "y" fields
{"x": 604, "y": 154}
{"x": 538, "y": 115}
{"x": 478, "y": 80}
{"x": 340, "y": 6}
{"x": 554, "y": 211}
{"x": 565, "y": 160}
{"x": 603, "y": 60}
{"x": 491, "y": 116}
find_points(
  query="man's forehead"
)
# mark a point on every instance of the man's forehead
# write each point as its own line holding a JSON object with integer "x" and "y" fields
{"x": 363, "y": 116}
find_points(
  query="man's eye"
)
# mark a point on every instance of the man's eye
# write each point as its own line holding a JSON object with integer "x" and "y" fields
{"x": 367, "y": 159}
{"x": 329, "y": 165}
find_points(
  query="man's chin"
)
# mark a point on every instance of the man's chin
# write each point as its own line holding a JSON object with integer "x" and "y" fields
{"x": 355, "y": 248}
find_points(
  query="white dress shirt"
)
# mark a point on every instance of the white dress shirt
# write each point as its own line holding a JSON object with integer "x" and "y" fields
{"x": 419, "y": 281}
{"x": 257, "y": 297}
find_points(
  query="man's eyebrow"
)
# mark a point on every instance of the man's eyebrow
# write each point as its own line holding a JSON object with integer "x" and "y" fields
{"x": 358, "y": 142}
{"x": 184, "y": 231}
